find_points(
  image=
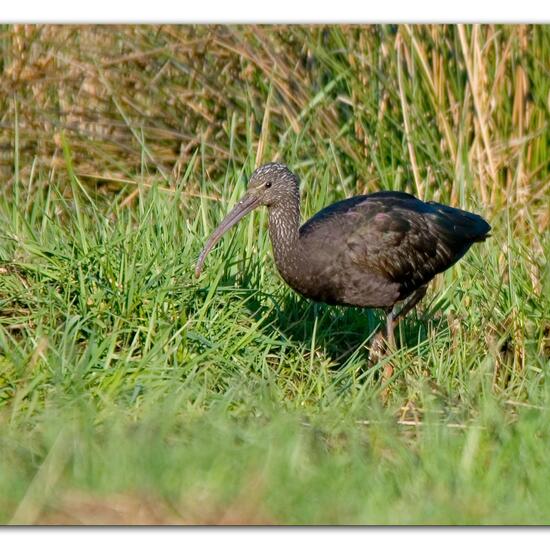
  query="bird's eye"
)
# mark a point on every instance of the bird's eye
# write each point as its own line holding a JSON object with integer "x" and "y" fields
{"x": 268, "y": 184}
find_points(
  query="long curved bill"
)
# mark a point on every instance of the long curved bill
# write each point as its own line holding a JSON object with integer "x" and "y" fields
{"x": 242, "y": 208}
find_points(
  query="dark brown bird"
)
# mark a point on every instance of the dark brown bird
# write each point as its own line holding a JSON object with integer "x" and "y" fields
{"x": 370, "y": 251}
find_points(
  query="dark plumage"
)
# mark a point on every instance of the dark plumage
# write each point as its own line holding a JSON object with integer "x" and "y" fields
{"x": 369, "y": 251}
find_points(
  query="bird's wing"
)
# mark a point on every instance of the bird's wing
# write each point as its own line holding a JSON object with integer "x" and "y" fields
{"x": 394, "y": 235}
{"x": 396, "y": 238}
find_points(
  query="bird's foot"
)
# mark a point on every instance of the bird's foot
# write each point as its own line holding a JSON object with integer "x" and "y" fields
{"x": 378, "y": 348}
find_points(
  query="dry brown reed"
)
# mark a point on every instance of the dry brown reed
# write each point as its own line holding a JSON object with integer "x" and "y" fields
{"x": 435, "y": 103}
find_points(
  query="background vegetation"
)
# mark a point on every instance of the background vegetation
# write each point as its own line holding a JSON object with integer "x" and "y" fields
{"x": 131, "y": 392}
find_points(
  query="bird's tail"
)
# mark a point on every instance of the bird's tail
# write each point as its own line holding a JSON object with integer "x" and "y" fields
{"x": 462, "y": 224}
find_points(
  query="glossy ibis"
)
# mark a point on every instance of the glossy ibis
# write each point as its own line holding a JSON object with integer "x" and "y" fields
{"x": 370, "y": 251}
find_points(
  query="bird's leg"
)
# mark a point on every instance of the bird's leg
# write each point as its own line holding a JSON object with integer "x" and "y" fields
{"x": 390, "y": 339}
{"x": 390, "y": 324}
{"x": 381, "y": 339}
{"x": 378, "y": 345}
{"x": 395, "y": 314}
{"x": 410, "y": 302}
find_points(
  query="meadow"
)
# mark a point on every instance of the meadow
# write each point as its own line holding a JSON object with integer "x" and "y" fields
{"x": 131, "y": 392}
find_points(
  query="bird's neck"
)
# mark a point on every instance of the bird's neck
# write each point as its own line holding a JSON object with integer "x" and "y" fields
{"x": 284, "y": 231}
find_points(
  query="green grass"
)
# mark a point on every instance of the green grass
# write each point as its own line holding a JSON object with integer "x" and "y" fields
{"x": 123, "y": 379}
{"x": 122, "y": 374}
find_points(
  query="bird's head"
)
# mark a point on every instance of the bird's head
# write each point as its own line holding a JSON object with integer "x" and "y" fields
{"x": 270, "y": 185}
{"x": 273, "y": 184}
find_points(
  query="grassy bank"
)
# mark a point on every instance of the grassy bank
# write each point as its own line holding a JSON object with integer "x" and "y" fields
{"x": 132, "y": 392}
